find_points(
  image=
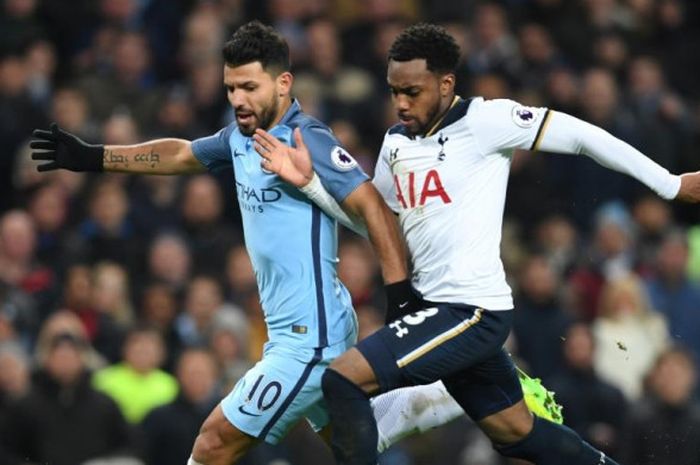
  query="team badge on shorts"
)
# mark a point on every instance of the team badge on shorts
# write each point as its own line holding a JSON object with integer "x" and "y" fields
{"x": 524, "y": 117}
{"x": 342, "y": 159}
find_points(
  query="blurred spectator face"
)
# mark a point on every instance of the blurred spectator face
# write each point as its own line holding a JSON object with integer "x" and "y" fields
{"x": 144, "y": 350}
{"x": 120, "y": 129}
{"x": 673, "y": 378}
{"x": 131, "y": 57}
{"x": 562, "y": 87}
{"x": 64, "y": 360}
{"x": 385, "y": 35}
{"x": 600, "y": 11}
{"x": 611, "y": 240}
{"x": 599, "y": 95}
{"x": 48, "y": 208}
{"x": 324, "y": 47}
{"x": 14, "y": 371}
{"x": 491, "y": 86}
{"x": 671, "y": 13}
{"x": 652, "y": 215}
{"x": 169, "y": 260}
{"x": 19, "y": 8}
{"x": 159, "y": 306}
{"x": 645, "y": 76}
{"x": 578, "y": 347}
{"x": 69, "y": 109}
{"x": 203, "y": 300}
{"x": 204, "y": 34}
{"x": 556, "y": 233}
{"x": 60, "y": 322}
{"x": 119, "y": 11}
{"x": 176, "y": 112}
{"x": 78, "y": 287}
{"x": 41, "y": 60}
{"x": 109, "y": 206}
{"x": 197, "y": 375}
{"x": 611, "y": 51}
{"x": 202, "y": 203}
{"x": 239, "y": 271}
{"x": 356, "y": 268}
{"x": 205, "y": 80}
{"x": 535, "y": 44}
{"x": 111, "y": 290}
{"x": 623, "y": 297}
{"x": 13, "y": 76}
{"x": 539, "y": 281}
{"x": 17, "y": 236}
{"x": 490, "y": 24}
{"x": 672, "y": 258}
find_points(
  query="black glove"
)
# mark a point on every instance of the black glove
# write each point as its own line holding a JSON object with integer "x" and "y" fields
{"x": 401, "y": 299}
{"x": 65, "y": 150}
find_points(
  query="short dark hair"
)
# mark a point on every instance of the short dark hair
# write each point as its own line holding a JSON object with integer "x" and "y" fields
{"x": 427, "y": 41}
{"x": 255, "y": 41}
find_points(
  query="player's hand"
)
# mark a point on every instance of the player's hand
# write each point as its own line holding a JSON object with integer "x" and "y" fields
{"x": 690, "y": 187}
{"x": 290, "y": 163}
{"x": 64, "y": 150}
{"x": 401, "y": 299}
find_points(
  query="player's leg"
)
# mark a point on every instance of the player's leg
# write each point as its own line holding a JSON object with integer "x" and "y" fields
{"x": 263, "y": 406}
{"x": 491, "y": 394}
{"x": 417, "y": 349}
{"x": 415, "y": 409}
{"x": 219, "y": 442}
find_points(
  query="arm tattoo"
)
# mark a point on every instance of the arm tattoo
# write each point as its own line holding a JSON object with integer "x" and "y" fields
{"x": 150, "y": 158}
{"x": 111, "y": 157}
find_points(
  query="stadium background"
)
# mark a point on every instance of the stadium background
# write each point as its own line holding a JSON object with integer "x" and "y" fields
{"x": 606, "y": 276}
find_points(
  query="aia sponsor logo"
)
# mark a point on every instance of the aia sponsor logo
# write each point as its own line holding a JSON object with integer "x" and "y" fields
{"x": 412, "y": 197}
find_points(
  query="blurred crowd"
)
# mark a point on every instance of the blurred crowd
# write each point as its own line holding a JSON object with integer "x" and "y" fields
{"x": 128, "y": 305}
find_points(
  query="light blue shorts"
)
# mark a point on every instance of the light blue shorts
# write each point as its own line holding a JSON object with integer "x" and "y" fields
{"x": 281, "y": 389}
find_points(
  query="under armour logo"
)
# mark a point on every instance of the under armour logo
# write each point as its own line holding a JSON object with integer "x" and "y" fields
{"x": 393, "y": 154}
{"x": 441, "y": 141}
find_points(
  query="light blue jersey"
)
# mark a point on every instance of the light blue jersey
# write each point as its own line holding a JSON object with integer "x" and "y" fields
{"x": 291, "y": 242}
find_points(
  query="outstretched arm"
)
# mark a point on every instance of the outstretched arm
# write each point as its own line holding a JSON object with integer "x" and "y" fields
{"x": 63, "y": 150}
{"x": 566, "y": 134}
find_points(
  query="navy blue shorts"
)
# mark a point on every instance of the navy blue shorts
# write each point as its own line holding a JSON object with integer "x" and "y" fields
{"x": 461, "y": 345}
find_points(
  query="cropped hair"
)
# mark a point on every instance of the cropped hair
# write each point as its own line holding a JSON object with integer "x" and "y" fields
{"x": 427, "y": 41}
{"x": 255, "y": 41}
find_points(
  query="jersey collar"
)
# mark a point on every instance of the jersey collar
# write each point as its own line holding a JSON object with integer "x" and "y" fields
{"x": 457, "y": 110}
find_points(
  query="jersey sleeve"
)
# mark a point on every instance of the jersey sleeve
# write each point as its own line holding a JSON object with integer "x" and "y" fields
{"x": 214, "y": 151}
{"x": 339, "y": 172}
{"x": 503, "y": 124}
{"x": 384, "y": 181}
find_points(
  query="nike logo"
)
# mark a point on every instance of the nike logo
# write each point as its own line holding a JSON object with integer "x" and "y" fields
{"x": 403, "y": 305}
{"x": 240, "y": 409}
{"x": 236, "y": 153}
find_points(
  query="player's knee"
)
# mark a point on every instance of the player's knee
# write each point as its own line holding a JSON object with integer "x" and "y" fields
{"x": 210, "y": 443}
{"x": 336, "y": 386}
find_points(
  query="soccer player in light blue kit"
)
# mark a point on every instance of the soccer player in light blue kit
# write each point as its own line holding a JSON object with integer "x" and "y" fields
{"x": 291, "y": 242}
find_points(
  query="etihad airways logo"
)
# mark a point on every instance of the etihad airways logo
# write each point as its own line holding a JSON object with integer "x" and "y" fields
{"x": 252, "y": 199}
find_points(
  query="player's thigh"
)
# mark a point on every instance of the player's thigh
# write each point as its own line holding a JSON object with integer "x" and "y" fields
{"x": 281, "y": 389}
{"x": 433, "y": 343}
{"x": 354, "y": 366}
{"x": 487, "y": 388}
{"x": 508, "y": 425}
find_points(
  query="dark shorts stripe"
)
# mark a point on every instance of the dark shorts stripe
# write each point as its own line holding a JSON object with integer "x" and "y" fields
{"x": 316, "y": 253}
{"x": 318, "y": 355}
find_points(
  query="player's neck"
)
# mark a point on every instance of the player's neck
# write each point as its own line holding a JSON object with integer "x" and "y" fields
{"x": 285, "y": 103}
{"x": 441, "y": 116}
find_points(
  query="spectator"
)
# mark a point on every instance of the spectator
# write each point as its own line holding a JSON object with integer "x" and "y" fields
{"x": 665, "y": 427}
{"x": 674, "y": 295}
{"x": 628, "y": 334}
{"x": 594, "y": 408}
{"x": 137, "y": 384}
{"x": 540, "y": 322}
{"x": 63, "y": 420}
{"x": 170, "y": 429}
{"x": 159, "y": 307}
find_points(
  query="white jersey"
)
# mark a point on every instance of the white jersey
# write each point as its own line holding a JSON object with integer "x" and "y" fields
{"x": 449, "y": 191}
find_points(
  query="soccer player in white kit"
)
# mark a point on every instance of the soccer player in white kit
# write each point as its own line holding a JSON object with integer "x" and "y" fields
{"x": 444, "y": 171}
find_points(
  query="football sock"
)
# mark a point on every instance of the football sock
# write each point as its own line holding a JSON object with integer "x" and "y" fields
{"x": 354, "y": 439}
{"x": 552, "y": 444}
{"x": 402, "y": 412}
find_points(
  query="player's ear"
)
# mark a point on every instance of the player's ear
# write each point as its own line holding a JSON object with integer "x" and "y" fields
{"x": 447, "y": 84}
{"x": 284, "y": 83}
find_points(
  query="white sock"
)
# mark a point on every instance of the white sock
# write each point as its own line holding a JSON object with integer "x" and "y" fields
{"x": 192, "y": 461}
{"x": 402, "y": 412}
